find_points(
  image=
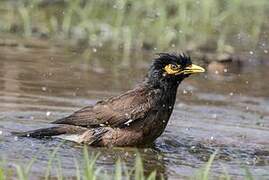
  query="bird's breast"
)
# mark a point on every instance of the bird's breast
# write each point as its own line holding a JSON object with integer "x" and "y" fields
{"x": 155, "y": 124}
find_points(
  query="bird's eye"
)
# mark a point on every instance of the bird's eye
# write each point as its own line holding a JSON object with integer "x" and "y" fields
{"x": 174, "y": 67}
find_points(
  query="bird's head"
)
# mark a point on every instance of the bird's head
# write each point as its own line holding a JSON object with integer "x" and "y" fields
{"x": 172, "y": 68}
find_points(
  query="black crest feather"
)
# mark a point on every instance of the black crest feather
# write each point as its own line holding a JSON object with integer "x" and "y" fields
{"x": 171, "y": 58}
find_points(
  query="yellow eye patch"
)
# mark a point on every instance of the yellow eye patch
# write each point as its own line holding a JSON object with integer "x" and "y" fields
{"x": 172, "y": 68}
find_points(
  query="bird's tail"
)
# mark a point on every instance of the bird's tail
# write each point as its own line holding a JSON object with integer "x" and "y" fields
{"x": 51, "y": 131}
{"x": 67, "y": 132}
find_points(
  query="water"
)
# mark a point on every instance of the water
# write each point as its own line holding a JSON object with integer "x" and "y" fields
{"x": 226, "y": 111}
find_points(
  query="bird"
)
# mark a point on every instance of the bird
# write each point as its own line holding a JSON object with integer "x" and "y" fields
{"x": 135, "y": 118}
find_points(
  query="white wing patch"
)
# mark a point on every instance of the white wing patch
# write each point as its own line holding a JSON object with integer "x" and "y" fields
{"x": 70, "y": 137}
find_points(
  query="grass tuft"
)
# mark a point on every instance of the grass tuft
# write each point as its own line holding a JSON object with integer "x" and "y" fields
{"x": 92, "y": 172}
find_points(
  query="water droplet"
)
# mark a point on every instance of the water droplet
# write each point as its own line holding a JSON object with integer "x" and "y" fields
{"x": 94, "y": 50}
{"x": 1, "y": 132}
{"x": 15, "y": 138}
{"x": 163, "y": 105}
{"x": 185, "y": 91}
{"x": 251, "y": 52}
{"x": 211, "y": 138}
{"x": 265, "y": 51}
{"x": 246, "y": 82}
{"x": 231, "y": 94}
{"x": 48, "y": 113}
{"x": 44, "y": 88}
{"x": 225, "y": 70}
{"x": 145, "y": 150}
{"x": 193, "y": 147}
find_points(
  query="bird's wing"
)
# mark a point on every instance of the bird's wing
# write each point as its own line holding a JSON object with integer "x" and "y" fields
{"x": 114, "y": 112}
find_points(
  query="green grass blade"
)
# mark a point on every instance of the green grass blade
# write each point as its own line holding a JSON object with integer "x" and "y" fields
{"x": 203, "y": 174}
{"x": 139, "y": 170}
{"x": 21, "y": 173}
{"x": 152, "y": 176}
{"x": 2, "y": 174}
{"x": 59, "y": 169}
{"x": 248, "y": 175}
{"x": 77, "y": 169}
{"x": 52, "y": 155}
{"x": 90, "y": 172}
{"x": 118, "y": 170}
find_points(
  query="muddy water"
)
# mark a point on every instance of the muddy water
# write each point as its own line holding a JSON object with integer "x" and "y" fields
{"x": 224, "y": 111}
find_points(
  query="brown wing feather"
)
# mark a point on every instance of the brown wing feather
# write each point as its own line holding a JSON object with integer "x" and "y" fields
{"x": 115, "y": 111}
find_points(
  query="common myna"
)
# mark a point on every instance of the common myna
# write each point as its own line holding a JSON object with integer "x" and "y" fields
{"x": 134, "y": 118}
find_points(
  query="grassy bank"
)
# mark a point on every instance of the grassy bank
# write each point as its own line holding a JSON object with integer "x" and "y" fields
{"x": 214, "y": 25}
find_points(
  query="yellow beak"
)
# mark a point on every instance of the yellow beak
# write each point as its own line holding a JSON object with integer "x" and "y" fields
{"x": 193, "y": 69}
